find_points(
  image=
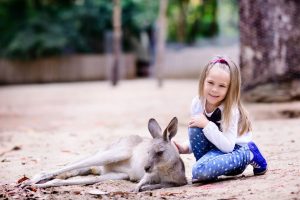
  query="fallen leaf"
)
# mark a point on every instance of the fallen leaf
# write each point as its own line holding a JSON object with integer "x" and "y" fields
{"x": 77, "y": 192}
{"x": 24, "y": 178}
{"x": 16, "y": 148}
{"x": 33, "y": 189}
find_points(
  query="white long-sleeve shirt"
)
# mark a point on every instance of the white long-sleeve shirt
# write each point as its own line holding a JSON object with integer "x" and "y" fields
{"x": 223, "y": 140}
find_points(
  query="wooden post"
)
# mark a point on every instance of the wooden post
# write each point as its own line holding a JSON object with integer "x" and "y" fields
{"x": 116, "y": 42}
{"x": 161, "y": 40}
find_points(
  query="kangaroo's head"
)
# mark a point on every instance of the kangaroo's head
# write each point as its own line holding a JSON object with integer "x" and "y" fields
{"x": 162, "y": 154}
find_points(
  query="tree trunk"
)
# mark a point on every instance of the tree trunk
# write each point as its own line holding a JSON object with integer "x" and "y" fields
{"x": 161, "y": 39}
{"x": 116, "y": 42}
{"x": 270, "y": 50}
{"x": 181, "y": 31}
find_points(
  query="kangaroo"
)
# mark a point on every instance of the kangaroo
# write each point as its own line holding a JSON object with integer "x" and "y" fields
{"x": 155, "y": 163}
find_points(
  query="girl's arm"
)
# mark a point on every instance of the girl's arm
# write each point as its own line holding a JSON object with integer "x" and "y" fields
{"x": 225, "y": 141}
{"x": 198, "y": 120}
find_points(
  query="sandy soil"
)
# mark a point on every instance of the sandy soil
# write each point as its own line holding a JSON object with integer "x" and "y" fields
{"x": 43, "y": 127}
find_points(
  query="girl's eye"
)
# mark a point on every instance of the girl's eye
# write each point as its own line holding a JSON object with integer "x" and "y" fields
{"x": 222, "y": 86}
{"x": 210, "y": 82}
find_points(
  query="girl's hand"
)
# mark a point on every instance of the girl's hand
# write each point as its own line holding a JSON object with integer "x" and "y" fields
{"x": 198, "y": 121}
{"x": 181, "y": 148}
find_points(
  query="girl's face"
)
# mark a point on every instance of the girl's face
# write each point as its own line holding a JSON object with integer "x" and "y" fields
{"x": 216, "y": 85}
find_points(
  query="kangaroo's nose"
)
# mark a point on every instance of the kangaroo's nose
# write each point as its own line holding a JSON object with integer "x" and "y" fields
{"x": 147, "y": 168}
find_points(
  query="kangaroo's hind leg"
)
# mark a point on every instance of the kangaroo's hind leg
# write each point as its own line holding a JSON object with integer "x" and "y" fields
{"x": 84, "y": 180}
{"x": 96, "y": 170}
{"x": 110, "y": 155}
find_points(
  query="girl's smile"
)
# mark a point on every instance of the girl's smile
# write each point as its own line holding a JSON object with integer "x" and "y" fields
{"x": 213, "y": 96}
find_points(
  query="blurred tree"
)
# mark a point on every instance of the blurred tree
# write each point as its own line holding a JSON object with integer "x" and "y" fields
{"x": 33, "y": 28}
{"x": 181, "y": 31}
{"x": 190, "y": 20}
{"x": 161, "y": 39}
{"x": 39, "y": 28}
{"x": 138, "y": 16}
{"x": 270, "y": 54}
{"x": 116, "y": 41}
{"x": 228, "y": 19}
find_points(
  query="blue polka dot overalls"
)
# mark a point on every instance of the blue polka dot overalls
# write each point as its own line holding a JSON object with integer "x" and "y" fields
{"x": 211, "y": 162}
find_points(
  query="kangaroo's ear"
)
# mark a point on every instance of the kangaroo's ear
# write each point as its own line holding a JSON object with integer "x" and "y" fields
{"x": 171, "y": 129}
{"x": 154, "y": 128}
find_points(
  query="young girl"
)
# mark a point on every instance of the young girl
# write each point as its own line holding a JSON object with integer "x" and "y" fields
{"x": 219, "y": 129}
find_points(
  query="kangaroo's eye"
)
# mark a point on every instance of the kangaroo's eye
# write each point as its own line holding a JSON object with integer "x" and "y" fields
{"x": 159, "y": 153}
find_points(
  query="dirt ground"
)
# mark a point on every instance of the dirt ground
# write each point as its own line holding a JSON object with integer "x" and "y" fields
{"x": 43, "y": 127}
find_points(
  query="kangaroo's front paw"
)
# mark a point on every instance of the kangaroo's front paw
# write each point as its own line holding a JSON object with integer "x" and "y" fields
{"x": 136, "y": 189}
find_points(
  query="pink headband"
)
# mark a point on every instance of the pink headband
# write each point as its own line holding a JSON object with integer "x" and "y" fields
{"x": 220, "y": 60}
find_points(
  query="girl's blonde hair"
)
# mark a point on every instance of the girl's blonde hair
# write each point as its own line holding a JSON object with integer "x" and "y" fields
{"x": 232, "y": 97}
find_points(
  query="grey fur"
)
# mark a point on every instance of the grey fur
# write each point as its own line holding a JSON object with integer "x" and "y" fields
{"x": 126, "y": 159}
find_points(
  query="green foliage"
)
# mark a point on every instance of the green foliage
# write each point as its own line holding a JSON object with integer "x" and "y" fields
{"x": 33, "y": 29}
{"x": 38, "y": 28}
{"x": 190, "y": 20}
{"x": 137, "y": 15}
